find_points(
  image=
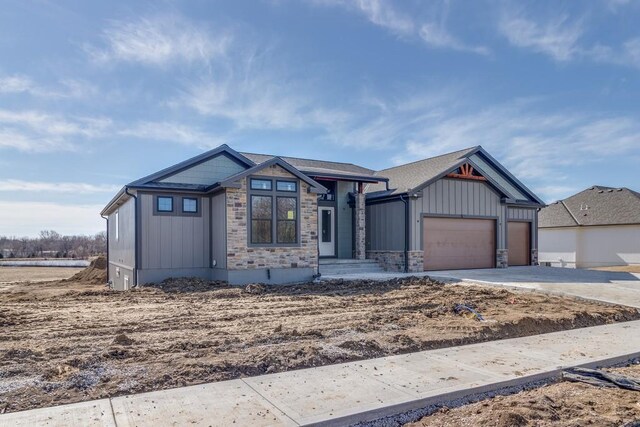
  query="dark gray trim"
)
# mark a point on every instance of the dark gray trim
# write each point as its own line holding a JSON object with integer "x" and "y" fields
{"x": 156, "y": 207}
{"x": 344, "y": 177}
{"x": 136, "y": 236}
{"x": 179, "y": 167}
{"x": 512, "y": 178}
{"x": 198, "y": 211}
{"x": 274, "y": 194}
{"x": 232, "y": 180}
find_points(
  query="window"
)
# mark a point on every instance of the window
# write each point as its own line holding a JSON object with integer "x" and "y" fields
{"x": 261, "y": 219}
{"x": 287, "y": 220}
{"x": 189, "y": 205}
{"x": 273, "y": 212}
{"x": 117, "y": 220}
{"x": 286, "y": 186}
{"x": 165, "y": 204}
{"x": 261, "y": 184}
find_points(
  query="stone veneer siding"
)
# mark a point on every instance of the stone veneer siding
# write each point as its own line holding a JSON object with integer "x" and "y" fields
{"x": 534, "y": 257}
{"x": 502, "y": 258}
{"x": 394, "y": 260}
{"x": 241, "y": 256}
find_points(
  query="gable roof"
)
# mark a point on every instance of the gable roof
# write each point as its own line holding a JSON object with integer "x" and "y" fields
{"x": 151, "y": 180}
{"x": 232, "y": 180}
{"x": 594, "y": 206}
{"x": 323, "y": 167}
{"x": 417, "y": 175}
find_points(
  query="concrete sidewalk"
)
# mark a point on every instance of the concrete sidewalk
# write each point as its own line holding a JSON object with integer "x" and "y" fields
{"x": 351, "y": 392}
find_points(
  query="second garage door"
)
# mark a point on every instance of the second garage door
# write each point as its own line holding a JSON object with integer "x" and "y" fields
{"x": 519, "y": 237}
{"x": 459, "y": 243}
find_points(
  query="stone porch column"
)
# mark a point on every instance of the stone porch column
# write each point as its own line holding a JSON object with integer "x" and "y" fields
{"x": 360, "y": 231}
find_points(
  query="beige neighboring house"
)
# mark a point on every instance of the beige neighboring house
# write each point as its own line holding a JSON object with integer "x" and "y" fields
{"x": 597, "y": 227}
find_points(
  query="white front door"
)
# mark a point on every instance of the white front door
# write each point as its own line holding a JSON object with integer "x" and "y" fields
{"x": 327, "y": 231}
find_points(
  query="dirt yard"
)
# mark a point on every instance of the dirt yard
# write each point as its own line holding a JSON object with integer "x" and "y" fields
{"x": 563, "y": 404}
{"x": 634, "y": 268}
{"x": 35, "y": 274}
{"x": 74, "y": 340}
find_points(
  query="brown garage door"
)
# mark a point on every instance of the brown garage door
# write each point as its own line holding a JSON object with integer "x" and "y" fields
{"x": 457, "y": 243}
{"x": 519, "y": 237}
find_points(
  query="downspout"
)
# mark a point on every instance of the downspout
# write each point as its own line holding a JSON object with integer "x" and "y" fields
{"x": 106, "y": 218}
{"x": 406, "y": 233}
{"x": 135, "y": 235}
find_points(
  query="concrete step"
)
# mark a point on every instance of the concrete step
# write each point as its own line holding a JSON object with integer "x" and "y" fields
{"x": 349, "y": 266}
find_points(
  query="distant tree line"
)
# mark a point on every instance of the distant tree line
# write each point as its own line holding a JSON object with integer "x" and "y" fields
{"x": 50, "y": 244}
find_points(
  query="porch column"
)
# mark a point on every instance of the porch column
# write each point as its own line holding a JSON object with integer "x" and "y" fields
{"x": 360, "y": 231}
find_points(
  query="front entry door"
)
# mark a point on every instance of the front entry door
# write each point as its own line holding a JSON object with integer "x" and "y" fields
{"x": 327, "y": 231}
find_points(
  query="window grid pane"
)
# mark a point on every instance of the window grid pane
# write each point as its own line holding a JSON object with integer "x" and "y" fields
{"x": 261, "y": 184}
{"x": 190, "y": 205}
{"x": 165, "y": 204}
{"x": 286, "y": 186}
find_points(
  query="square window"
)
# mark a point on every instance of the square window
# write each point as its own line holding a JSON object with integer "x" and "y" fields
{"x": 189, "y": 205}
{"x": 261, "y": 184}
{"x": 165, "y": 204}
{"x": 286, "y": 186}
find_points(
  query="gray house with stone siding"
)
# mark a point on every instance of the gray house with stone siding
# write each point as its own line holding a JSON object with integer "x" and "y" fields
{"x": 244, "y": 217}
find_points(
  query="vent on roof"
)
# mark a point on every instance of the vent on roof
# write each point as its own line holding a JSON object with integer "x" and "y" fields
{"x": 601, "y": 191}
{"x": 584, "y": 207}
{"x": 619, "y": 189}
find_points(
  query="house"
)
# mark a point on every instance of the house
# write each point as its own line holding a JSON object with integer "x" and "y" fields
{"x": 243, "y": 217}
{"x": 597, "y": 227}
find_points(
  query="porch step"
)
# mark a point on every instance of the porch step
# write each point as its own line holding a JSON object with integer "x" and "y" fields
{"x": 337, "y": 267}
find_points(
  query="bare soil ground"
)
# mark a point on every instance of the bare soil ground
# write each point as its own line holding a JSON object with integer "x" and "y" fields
{"x": 563, "y": 404}
{"x": 634, "y": 268}
{"x": 73, "y": 340}
{"x": 35, "y": 274}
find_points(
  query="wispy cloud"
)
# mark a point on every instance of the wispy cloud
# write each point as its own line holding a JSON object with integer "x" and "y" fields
{"x": 172, "y": 132}
{"x": 437, "y": 36}
{"x": 55, "y": 187}
{"x": 557, "y": 38}
{"x": 158, "y": 41}
{"x": 38, "y": 131}
{"x": 18, "y": 218}
{"x": 67, "y": 88}
{"x": 386, "y": 14}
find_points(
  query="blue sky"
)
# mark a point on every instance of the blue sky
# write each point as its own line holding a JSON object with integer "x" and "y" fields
{"x": 96, "y": 94}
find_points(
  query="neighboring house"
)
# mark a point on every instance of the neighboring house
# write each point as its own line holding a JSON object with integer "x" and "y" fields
{"x": 597, "y": 227}
{"x": 244, "y": 217}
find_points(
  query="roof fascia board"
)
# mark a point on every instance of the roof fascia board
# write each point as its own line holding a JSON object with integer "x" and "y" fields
{"x": 439, "y": 176}
{"x": 515, "y": 181}
{"x": 344, "y": 177}
{"x": 491, "y": 181}
{"x": 107, "y": 209}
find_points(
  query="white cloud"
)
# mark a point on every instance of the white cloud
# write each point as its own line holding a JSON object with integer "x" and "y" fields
{"x": 37, "y": 131}
{"x": 55, "y": 187}
{"x": 67, "y": 88}
{"x": 384, "y": 13}
{"x": 557, "y": 38}
{"x": 158, "y": 41}
{"x": 436, "y": 36}
{"x": 173, "y": 132}
{"x": 28, "y": 218}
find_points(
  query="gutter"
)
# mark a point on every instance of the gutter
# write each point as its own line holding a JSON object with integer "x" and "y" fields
{"x": 135, "y": 234}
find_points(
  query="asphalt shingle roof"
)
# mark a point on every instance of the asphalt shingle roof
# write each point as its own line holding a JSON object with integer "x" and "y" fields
{"x": 412, "y": 175}
{"x": 319, "y": 166}
{"x": 594, "y": 206}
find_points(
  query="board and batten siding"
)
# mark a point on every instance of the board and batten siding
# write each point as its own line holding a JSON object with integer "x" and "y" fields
{"x": 219, "y": 230}
{"x": 207, "y": 173}
{"x": 526, "y": 214}
{"x": 385, "y": 226}
{"x": 171, "y": 241}
{"x": 122, "y": 250}
{"x": 461, "y": 198}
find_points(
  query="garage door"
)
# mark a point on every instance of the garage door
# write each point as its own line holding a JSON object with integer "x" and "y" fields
{"x": 457, "y": 243}
{"x": 519, "y": 237}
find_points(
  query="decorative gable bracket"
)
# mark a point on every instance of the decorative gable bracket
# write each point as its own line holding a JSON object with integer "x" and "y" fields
{"x": 466, "y": 171}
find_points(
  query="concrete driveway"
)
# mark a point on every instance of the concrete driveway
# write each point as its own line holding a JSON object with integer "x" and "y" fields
{"x": 607, "y": 286}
